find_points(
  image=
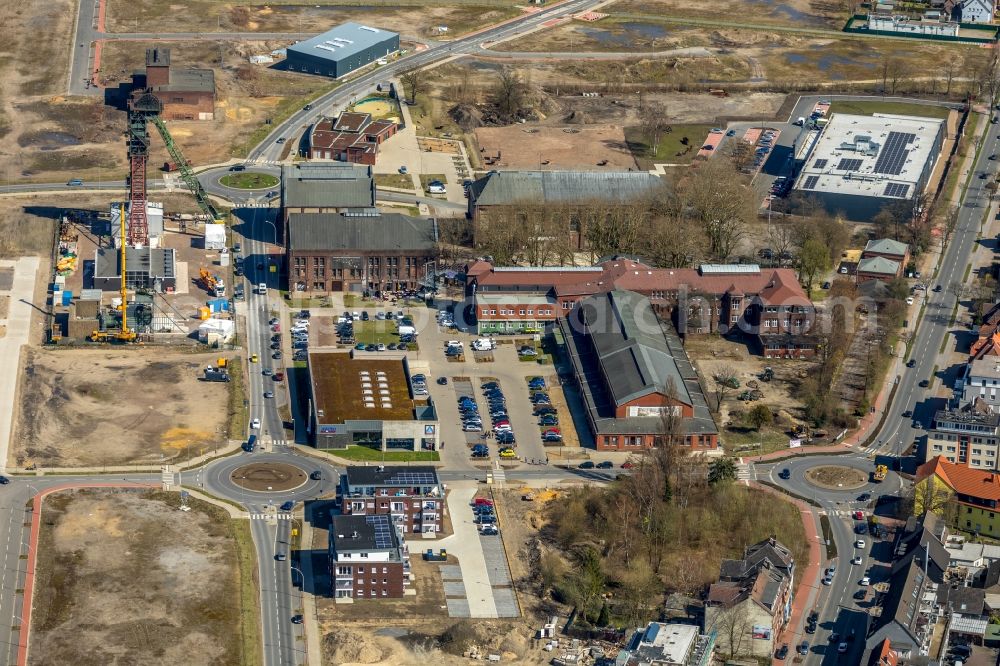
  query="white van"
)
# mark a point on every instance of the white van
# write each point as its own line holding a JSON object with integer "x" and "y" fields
{"x": 484, "y": 344}
{"x": 262, "y": 288}
{"x": 407, "y": 330}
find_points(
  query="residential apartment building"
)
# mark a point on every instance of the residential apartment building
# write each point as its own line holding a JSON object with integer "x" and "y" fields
{"x": 969, "y": 436}
{"x": 368, "y": 558}
{"x": 759, "y": 585}
{"x": 667, "y": 644}
{"x": 639, "y": 390}
{"x": 338, "y": 252}
{"x": 973, "y": 496}
{"x": 767, "y": 305}
{"x": 982, "y": 382}
{"x": 412, "y": 496}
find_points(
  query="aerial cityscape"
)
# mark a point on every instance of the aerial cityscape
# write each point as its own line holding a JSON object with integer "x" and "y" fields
{"x": 573, "y": 332}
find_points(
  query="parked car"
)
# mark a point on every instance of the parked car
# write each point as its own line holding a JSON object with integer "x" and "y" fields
{"x": 605, "y": 464}
{"x": 587, "y": 464}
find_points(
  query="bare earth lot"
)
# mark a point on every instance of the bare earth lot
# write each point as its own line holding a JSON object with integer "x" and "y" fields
{"x": 127, "y": 578}
{"x": 562, "y": 148}
{"x": 112, "y": 406}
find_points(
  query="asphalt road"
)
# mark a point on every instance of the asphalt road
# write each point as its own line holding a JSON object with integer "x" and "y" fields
{"x": 326, "y": 105}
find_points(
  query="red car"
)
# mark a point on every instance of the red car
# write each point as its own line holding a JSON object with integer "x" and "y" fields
{"x": 628, "y": 465}
{"x": 482, "y": 501}
{"x": 859, "y": 515}
{"x": 278, "y": 376}
{"x": 554, "y": 431}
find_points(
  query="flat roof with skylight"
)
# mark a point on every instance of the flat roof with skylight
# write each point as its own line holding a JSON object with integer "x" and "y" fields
{"x": 346, "y": 388}
{"x": 881, "y": 156}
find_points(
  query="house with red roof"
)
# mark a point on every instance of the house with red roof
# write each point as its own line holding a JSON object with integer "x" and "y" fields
{"x": 352, "y": 137}
{"x": 972, "y": 495}
{"x": 768, "y": 305}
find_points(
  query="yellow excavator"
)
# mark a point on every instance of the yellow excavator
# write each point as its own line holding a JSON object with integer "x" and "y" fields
{"x": 124, "y": 333}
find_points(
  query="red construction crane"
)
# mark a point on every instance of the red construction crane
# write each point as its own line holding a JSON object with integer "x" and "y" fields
{"x": 139, "y": 109}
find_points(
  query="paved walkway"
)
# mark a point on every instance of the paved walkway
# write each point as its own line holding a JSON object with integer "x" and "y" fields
{"x": 808, "y": 587}
{"x": 464, "y": 544}
{"x": 18, "y": 327}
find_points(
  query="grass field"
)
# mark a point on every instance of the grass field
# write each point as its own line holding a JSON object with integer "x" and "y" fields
{"x": 670, "y": 150}
{"x": 868, "y": 108}
{"x": 397, "y": 180}
{"x": 375, "y": 332}
{"x": 426, "y": 178}
{"x": 366, "y": 453}
{"x": 249, "y": 180}
{"x": 743, "y": 442}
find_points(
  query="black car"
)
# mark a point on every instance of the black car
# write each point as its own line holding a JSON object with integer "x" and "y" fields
{"x": 912, "y": 362}
{"x": 785, "y": 473}
{"x": 605, "y": 464}
{"x": 924, "y": 383}
{"x": 907, "y": 414}
{"x": 864, "y": 497}
{"x": 442, "y": 380}
{"x": 490, "y": 385}
{"x": 316, "y": 475}
{"x": 364, "y": 315}
{"x": 782, "y": 652}
{"x": 803, "y": 648}
{"x": 287, "y": 506}
{"x": 4, "y": 480}
{"x": 296, "y": 619}
{"x": 588, "y": 464}
{"x": 811, "y": 628}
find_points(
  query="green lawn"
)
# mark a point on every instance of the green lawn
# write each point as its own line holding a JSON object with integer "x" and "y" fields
{"x": 867, "y": 108}
{"x": 426, "y": 178}
{"x": 397, "y": 180}
{"x": 248, "y": 180}
{"x": 670, "y": 150}
{"x": 375, "y": 332}
{"x": 367, "y": 453}
{"x": 742, "y": 442}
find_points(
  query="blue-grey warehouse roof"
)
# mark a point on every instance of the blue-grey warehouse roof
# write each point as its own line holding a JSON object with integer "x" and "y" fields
{"x": 343, "y": 41}
{"x": 499, "y": 188}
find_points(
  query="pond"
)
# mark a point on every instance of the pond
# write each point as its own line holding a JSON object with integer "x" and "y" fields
{"x": 630, "y": 33}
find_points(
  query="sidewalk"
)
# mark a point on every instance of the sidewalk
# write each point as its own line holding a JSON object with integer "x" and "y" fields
{"x": 805, "y": 595}
{"x": 231, "y": 447}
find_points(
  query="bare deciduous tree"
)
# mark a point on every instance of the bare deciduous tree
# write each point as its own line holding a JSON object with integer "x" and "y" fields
{"x": 719, "y": 197}
{"x": 414, "y": 82}
{"x": 509, "y": 94}
{"x": 654, "y": 124}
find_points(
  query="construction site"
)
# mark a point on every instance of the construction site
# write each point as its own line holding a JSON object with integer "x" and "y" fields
{"x": 139, "y": 272}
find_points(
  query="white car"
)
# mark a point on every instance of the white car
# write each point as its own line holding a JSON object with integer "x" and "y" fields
{"x": 866, "y": 581}
{"x": 842, "y": 648}
{"x": 454, "y": 343}
{"x": 860, "y": 543}
{"x": 857, "y": 560}
{"x": 255, "y": 424}
{"x": 827, "y": 580}
{"x": 909, "y": 300}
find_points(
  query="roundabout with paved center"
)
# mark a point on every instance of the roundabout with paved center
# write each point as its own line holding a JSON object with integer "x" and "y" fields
{"x": 269, "y": 477}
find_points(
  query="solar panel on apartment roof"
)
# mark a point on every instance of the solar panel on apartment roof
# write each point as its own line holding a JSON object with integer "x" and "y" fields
{"x": 820, "y": 163}
{"x": 810, "y": 182}
{"x": 849, "y": 164}
{"x": 893, "y": 157}
{"x": 383, "y": 535}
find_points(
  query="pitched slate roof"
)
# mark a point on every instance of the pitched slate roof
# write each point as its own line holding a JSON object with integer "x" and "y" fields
{"x": 335, "y": 231}
{"x": 879, "y": 265}
{"x": 886, "y": 246}
{"x": 630, "y": 347}
{"x": 327, "y": 185}
{"x": 499, "y": 188}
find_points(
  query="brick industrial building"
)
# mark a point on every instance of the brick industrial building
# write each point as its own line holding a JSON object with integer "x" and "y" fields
{"x": 186, "y": 94}
{"x": 341, "y": 50}
{"x": 638, "y": 386}
{"x": 368, "y": 558}
{"x": 768, "y": 305}
{"x": 352, "y": 137}
{"x": 412, "y": 496}
{"x": 371, "y": 251}
{"x": 324, "y": 188}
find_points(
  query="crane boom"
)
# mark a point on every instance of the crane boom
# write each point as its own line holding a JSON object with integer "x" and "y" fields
{"x": 186, "y": 173}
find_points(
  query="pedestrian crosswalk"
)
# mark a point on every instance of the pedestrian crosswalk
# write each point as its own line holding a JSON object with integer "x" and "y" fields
{"x": 746, "y": 472}
{"x": 260, "y": 162}
{"x": 270, "y": 516}
{"x": 168, "y": 477}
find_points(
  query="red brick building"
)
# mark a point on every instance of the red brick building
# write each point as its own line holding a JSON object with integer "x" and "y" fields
{"x": 186, "y": 94}
{"x": 638, "y": 386}
{"x": 882, "y": 259}
{"x": 353, "y": 137}
{"x": 368, "y": 558}
{"x": 412, "y": 496}
{"x": 768, "y": 305}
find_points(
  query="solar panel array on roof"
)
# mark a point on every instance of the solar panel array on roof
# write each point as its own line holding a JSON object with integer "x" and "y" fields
{"x": 896, "y": 190}
{"x": 383, "y": 531}
{"x": 894, "y": 154}
{"x": 414, "y": 478}
{"x": 820, "y": 163}
{"x": 849, "y": 164}
{"x": 810, "y": 182}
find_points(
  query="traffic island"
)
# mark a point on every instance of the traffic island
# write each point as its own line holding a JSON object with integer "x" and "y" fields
{"x": 837, "y": 477}
{"x": 269, "y": 477}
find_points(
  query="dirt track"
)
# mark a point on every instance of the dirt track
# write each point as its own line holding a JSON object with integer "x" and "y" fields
{"x": 557, "y": 148}
{"x": 127, "y": 578}
{"x": 97, "y": 407}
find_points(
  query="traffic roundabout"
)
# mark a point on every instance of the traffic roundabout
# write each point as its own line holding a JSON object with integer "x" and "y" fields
{"x": 836, "y": 479}
{"x": 259, "y": 477}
